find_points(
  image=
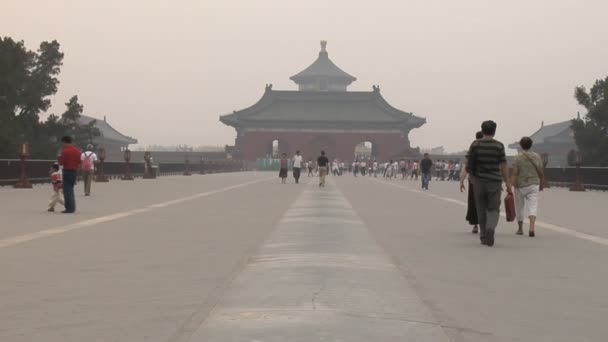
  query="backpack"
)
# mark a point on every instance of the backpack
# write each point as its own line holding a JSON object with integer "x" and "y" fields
{"x": 87, "y": 163}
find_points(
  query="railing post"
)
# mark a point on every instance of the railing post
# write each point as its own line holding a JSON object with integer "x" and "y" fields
{"x": 101, "y": 176}
{"x": 578, "y": 183}
{"x": 127, "y": 157}
{"x": 24, "y": 182}
{"x": 545, "y": 158}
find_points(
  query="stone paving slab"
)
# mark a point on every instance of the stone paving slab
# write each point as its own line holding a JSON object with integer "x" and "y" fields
{"x": 320, "y": 277}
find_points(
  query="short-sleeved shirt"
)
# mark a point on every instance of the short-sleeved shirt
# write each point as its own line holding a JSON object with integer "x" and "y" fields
{"x": 527, "y": 164}
{"x": 56, "y": 180}
{"x": 484, "y": 159}
{"x": 297, "y": 161}
{"x": 322, "y": 161}
{"x": 70, "y": 158}
{"x": 284, "y": 163}
{"x": 425, "y": 165}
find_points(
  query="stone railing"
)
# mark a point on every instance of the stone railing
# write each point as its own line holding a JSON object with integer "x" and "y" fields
{"x": 593, "y": 178}
{"x": 38, "y": 170}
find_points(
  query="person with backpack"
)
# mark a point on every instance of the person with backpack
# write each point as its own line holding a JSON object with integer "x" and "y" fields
{"x": 88, "y": 158}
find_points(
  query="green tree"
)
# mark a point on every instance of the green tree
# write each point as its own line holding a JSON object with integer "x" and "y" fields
{"x": 82, "y": 133}
{"x": 591, "y": 132}
{"x": 27, "y": 80}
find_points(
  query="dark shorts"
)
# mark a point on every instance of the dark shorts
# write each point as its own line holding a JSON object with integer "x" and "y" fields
{"x": 283, "y": 173}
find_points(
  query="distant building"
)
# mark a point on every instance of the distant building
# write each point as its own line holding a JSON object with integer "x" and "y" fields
{"x": 556, "y": 139}
{"x": 322, "y": 115}
{"x": 112, "y": 140}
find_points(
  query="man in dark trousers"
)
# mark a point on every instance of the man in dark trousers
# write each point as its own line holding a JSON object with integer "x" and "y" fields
{"x": 70, "y": 160}
{"x": 426, "y": 169}
{"x": 487, "y": 167}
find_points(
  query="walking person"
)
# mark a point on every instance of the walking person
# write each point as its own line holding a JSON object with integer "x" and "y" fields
{"x": 471, "y": 207}
{"x": 415, "y": 168}
{"x": 57, "y": 196}
{"x": 527, "y": 178}
{"x": 426, "y": 169}
{"x": 70, "y": 160}
{"x": 297, "y": 166}
{"x": 487, "y": 164}
{"x": 322, "y": 163}
{"x": 311, "y": 169}
{"x": 284, "y": 166}
{"x": 88, "y": 159}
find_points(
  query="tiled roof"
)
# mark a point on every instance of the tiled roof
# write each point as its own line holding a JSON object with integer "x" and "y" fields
{"x": 107, "y": 131}
{"x": 548, "y": 131}
{"x": 323, "y": 67}
{"x": 320, "y": 107}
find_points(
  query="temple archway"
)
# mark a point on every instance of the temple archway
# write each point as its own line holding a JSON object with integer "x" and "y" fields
{"x": 366, "y": 150}
{"x": 276, "y": 147}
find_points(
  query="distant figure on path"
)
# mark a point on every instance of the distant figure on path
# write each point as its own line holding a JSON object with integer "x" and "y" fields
{"x": 487, "y": 165}
{"x": 426, "y": 169}
{"x": 297, "y": 166}
{"x": 415, "y": 168}
{"x": 322, "y": 163}
{"x": 471, "y": 207}
{"x": 70, "y": 160}
{"x": 88, "y": 158}
{"x": 527, "y": 178}
{"x": 311, "y": 169}
{"x": 57, "y": 185}
{"x": 284, "y": 165}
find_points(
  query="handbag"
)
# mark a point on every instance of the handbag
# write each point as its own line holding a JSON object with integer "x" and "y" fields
{"x": 510, "y": 207}
{"x": 541, "y": 176}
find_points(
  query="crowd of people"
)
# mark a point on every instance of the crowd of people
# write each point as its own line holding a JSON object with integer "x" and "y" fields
{"x": 485, "y": 170}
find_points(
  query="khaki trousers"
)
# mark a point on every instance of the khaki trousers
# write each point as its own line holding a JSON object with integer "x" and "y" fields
{"x": 87, "y": 178}
{"x": 57, "y": 197}
{"x": 322, "y": 174}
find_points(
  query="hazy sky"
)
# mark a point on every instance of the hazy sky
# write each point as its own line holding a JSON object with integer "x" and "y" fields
{"x": 163, "y": 71}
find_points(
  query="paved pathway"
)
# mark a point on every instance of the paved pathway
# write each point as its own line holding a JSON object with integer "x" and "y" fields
{"x": 239, "y": 257}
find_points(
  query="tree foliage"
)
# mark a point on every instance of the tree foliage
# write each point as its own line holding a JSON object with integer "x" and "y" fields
{"x": 27, "y": 81}
{"x": 591, "y": 132}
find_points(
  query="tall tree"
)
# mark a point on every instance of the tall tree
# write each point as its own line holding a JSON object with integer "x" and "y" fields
{"x": 83, "y": 133}
{"x": 27, "y": 80}
{"x": 591, "y": 132}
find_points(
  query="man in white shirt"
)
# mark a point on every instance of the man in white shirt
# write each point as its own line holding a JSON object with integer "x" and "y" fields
{"x": 297, "y": 166}
{"x": 88, "y": 158}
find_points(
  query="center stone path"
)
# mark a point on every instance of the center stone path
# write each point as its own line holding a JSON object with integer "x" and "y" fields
{"x": 320, "y": 277}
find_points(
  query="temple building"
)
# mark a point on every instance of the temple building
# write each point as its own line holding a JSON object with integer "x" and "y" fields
{"x": 112, "y": 140}
{"x": 557, "y": 140}
{"x": 322, "y": 115}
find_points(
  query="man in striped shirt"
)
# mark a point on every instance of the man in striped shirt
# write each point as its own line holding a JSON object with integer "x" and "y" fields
{"x": 487, "y": 165}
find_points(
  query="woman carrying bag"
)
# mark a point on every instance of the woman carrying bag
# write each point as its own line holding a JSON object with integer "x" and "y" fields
{"x": 527, "y": 179}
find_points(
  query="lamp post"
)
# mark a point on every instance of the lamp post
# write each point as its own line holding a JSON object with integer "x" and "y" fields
{"x": 187, "y": 165}
{"x": 24, "y": 152}
{"x": 578, "y": 183}
{"x": 101, "y": 176}
{"x": 127, "y": 156}
{"x": 545, "y": 158}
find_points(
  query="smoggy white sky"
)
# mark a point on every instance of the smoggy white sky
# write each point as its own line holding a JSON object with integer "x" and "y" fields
{"x": 163, "y": 71}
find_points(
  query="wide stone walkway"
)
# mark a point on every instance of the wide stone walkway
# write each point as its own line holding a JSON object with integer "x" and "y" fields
{"x": 240, "y": 257}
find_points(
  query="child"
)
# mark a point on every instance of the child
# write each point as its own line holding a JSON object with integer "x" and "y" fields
{"x": 57, "y": 187}
{"x": 284, "y": 167}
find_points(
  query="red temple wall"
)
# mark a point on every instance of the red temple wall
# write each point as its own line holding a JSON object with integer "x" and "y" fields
{"x": 258, "y": 144}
